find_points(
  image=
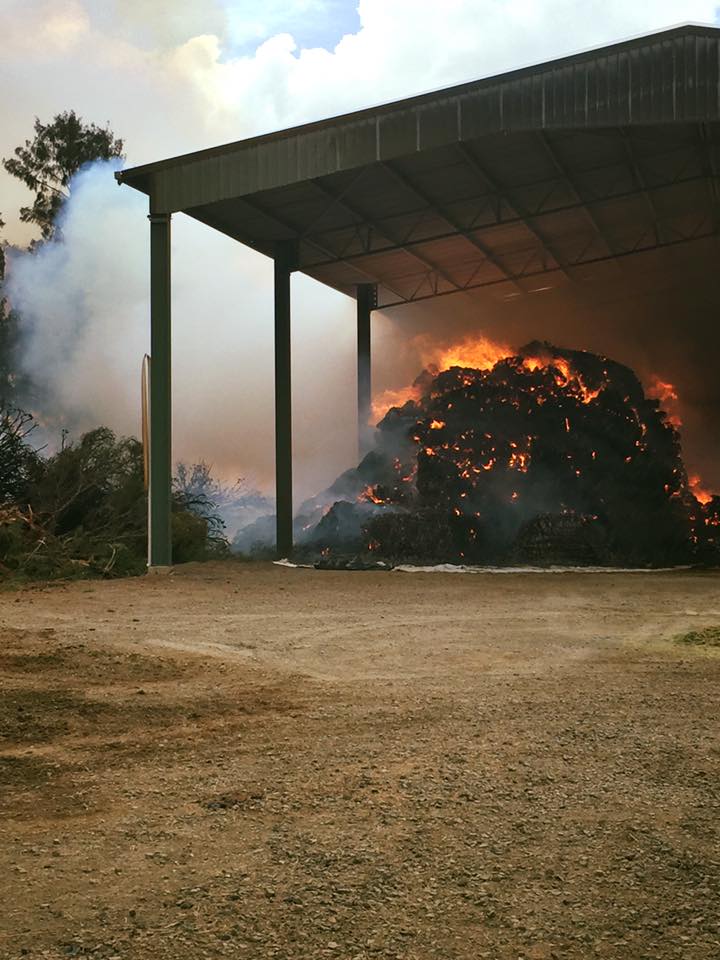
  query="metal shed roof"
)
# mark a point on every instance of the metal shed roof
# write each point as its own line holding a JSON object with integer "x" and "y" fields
{"x": 555, "y": 168}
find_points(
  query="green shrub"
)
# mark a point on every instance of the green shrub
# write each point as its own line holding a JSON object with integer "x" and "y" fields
{"x": 82, "y": 512}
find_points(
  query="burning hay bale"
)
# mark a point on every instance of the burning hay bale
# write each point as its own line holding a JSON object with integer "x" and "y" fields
{"x": 547, "y": 456}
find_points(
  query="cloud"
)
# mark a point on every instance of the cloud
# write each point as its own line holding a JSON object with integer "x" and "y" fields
{"x": 158, "y": 23}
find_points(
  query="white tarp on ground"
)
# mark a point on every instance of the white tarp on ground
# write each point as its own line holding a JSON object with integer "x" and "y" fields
{"x": 287, "y": 563}
{"x": 460, "y": 568}
{"x": 455, "y": 568}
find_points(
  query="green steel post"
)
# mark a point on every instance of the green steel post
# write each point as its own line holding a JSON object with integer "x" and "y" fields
{"x": 159, "y": 511}
{"x": 366, "y": 302}
{"x": 283, "y": 405}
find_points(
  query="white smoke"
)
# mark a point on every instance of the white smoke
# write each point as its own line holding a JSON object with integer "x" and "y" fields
{"x": 84, "y": 306}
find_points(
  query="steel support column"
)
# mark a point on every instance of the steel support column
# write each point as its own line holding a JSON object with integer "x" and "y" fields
{"x": 159, "y": 498}
{"x": 366, "y": 303}
{"x": 284, "y": 264}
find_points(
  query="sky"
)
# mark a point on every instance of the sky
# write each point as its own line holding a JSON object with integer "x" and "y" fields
{"x": 172, "y": 77}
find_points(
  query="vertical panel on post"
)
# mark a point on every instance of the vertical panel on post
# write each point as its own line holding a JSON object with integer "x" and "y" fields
{"x": 283, "y": 404}
{"x": 159, "y": 502}
{"x": 366, "y": 303}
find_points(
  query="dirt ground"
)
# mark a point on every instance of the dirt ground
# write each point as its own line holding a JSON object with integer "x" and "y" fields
{"x": 256, "y": 762}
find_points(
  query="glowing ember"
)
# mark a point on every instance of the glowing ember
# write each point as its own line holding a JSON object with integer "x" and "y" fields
{"x": 565, "y": 375}
{"x": 519, "y": 461}
{"x": 369, "y": 494}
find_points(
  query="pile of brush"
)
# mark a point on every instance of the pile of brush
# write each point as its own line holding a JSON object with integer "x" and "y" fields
{"x": 82, "y": 511}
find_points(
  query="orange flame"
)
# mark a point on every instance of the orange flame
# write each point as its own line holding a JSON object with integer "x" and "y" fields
{"x": 479, "y": 353}
{"x": 393, "y": 398}
{"x": 666, "y": 393}
{"x": 699, "y": 492}
{"x": 476, "y": 353}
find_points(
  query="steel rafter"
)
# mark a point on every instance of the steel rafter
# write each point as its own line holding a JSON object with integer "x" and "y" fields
{"x": 407, "y": 244}
{"x": 639, "y": 181}
{"x": 523, "y": 215}
{"x": 540, "y": 273}
{"x": 710, "y": 170}
{"x": 431, "y": 275}
{"x": 582, "y": 260}
{"x": 565, "y": 174}
{"x": 335, "y": 201}
{"x": 443, "y": 214}
{"x": 399, "y": 245}
{"x": 539, "y": 211}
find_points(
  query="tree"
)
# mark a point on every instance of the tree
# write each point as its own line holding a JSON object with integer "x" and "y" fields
{"x": 47, "y": 163}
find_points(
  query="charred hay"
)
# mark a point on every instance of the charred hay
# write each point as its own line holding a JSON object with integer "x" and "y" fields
{"x": 551, "y": 456}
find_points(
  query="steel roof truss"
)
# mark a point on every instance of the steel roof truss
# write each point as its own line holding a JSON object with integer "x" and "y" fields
{"x": 408, "y": 184}
{"x": 351, "y": 208}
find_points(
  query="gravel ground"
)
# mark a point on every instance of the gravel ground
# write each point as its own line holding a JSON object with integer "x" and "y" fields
{"x": 255, "y": 762}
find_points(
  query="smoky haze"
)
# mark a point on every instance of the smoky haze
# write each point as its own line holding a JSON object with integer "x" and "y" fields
{"x": 83, "y": 302}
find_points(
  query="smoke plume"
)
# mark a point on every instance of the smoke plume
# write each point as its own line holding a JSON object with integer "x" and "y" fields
{"x": 84, "y": 306}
